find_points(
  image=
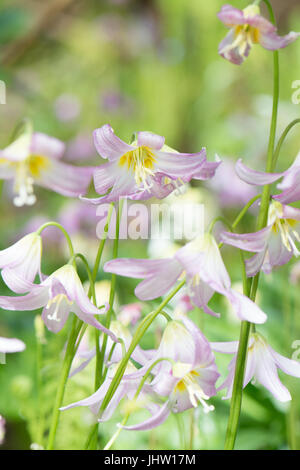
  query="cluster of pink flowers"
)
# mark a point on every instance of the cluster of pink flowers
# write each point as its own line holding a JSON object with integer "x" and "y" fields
{"x": 183, "y": 368}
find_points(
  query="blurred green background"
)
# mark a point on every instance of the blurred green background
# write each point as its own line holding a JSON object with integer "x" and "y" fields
{"x": 72, "y": 66}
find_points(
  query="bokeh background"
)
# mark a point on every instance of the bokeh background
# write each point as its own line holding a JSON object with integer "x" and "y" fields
{"x": 71, "y": 66}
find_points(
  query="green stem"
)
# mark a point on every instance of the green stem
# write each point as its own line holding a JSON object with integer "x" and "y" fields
{"x": 236, "y": 401}
{"x": 281, "y": 140}
{"x": 141, "y": 330}
{"x": 66, "y": 366}
{"x": 62, "y": 229}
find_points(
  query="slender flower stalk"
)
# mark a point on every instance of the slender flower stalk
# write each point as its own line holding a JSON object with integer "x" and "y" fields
{"x": 99, "y": 371}
{"x": 236, "y": 401}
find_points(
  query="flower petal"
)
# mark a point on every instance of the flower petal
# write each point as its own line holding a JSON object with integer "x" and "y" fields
{"x": 44, "y": 145}
{"x": 108, "y": 145}
{"x": 153, "y": 141}
{"x": 11, "y": 345}
{"x": 254, "y": 177}
{"x": 154, "y": 421}
{"x": 255, "y": 242}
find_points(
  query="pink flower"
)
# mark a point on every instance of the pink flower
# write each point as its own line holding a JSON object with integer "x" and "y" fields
{"x": 248, "y": 27}
{"x": 23, "y": 261}
{"x": 130, "y": 313}
{"x": 188, "y": 380}
{"x": 35, "y": 159}
{"x": 201, "y": 262}
{"x": 59, "y": 294}
{"x": 146, "y": 168}
{"x": 274, "y": 245}
{"x": 262, "y": 365}
{"x": 125, "y": 390}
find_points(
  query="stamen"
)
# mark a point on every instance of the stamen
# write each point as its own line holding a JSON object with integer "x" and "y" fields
{"x": 57, "y": 300}
{"x": 141, "y": 162}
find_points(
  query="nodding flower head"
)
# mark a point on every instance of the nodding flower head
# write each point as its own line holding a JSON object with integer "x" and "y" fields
{"x": 286, "y": 228}
{"x": 248, "y": 27}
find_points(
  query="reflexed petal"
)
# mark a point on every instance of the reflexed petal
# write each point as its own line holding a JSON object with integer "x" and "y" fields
{"x": 272, "y": 41}
{"x": 136, "y": 268}
{"x": 254, "y": 177}
{"x": 231, "y": 16}
{"x": 95, "y": 398}
{"x": 37, "y": 298}
{"x": 180, "y": 165}
{"x": 245, "y": 309}
{"x": 153, "y": 141}
{"x": 254, "y": 242}
{"x": 154, "y": 421}
{"x": 108, "y": 145}
{"x": 229, "y": 53}
{"x": 68, "y": 180}
{"x": 17, "y": 284}
{"x": 289, "y": 366}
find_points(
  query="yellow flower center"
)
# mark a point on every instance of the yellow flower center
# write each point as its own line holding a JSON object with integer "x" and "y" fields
{"x": 189, "y": 384}
{"x": 26, "y": 171}
{"x": 284, "y": 227}
{"x": 141, "y": 163}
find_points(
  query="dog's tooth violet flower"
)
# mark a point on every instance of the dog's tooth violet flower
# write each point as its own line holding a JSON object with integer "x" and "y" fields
{"x": 21, "y": 262}
{"x": 201, "y": 262}
{"x": 189, "y": 380}
{"x": 59, "y": 294}
{"x": 262, "y": 365}
{"x": 34, "y": 158}
{"x": 248, "y": 27}
{"x": 144, "y": 169}
{"x": 275, "y": 244}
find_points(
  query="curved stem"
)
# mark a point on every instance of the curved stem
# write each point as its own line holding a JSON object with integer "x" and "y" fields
{"x": 281, "y": 140}
{"x": 67, "y": 362}
{"x": 62, "y": 229}
{"x": 236, "y": 401}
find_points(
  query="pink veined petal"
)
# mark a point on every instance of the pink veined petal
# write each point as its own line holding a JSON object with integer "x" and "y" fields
{"x": 255, "y": 263}
{"x": 180, "y": 165}
{"x": 160, "y": 283}
{"x": 105, "y": 177}
{"x": 90, "y": 320}
{"x": 159, "y": 189}
{"x": 289, "y": 366}
{"x": 254, "y": 242}
{"x": 153, "y": 141}
{"x": 226, "y": 347}
{"x": 108, "y": 145}
{"x": 245, "y": 309}
{"x": 84, "y": 363}
{"x": 154, "y": 421}
{"x": 114, "y": 402}
{"x": 291, "y": 174}
{"x": 203, "y": 354}
{"x": 136, "y": 268}
{"x": 91, "y": 400}
{"x": 233, "y": 55}
{"x": 44, "y": 145}
{"x": 124, "y": 186}
{"x": 272, "y": 41}
{"x": 291, "y": 194}
{"x": 68, "y": 180}
{"x": 257, "y": 178}
{"x": 11, "y": 345}
{"x": 16, "y": 283}
{"x": 261, "y": 23}
{"x": 37, "y": 298}
{"x": 266, "y": 375}
{"x": 231, "y": 16}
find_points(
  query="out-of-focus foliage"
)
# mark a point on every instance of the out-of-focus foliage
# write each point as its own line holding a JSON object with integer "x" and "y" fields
{"x": 142, "y": 65}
